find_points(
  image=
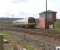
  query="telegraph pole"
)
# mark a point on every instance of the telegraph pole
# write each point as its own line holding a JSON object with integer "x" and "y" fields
{"x": 46, "y": 5}
{"x": 46, "y": 24}
{"x": 46, "y": 10}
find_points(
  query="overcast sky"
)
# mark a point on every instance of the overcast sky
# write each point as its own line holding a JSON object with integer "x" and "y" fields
{"x": 26, "y": 8}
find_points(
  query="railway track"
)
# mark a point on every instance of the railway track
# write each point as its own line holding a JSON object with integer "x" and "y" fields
{"x": 34, "y": 32}
{"x": 25, "y": 30}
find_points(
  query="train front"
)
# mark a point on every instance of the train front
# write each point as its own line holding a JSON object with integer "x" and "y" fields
{"x": 31, "y": 22}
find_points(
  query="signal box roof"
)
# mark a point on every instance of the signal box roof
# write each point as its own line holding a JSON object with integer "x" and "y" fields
{"x": 48, "y": 11}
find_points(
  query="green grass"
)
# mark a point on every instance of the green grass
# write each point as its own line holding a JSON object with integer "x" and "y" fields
{"x": 6, "y": 35}
{"x": 57, "y": 24}
{"x": 29, "y": 47}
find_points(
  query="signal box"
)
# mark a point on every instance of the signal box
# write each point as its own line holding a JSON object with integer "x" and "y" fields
{"x": 47, "y": 22}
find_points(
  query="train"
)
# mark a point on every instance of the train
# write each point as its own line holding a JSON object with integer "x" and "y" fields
{"x": 28, "y": 22}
